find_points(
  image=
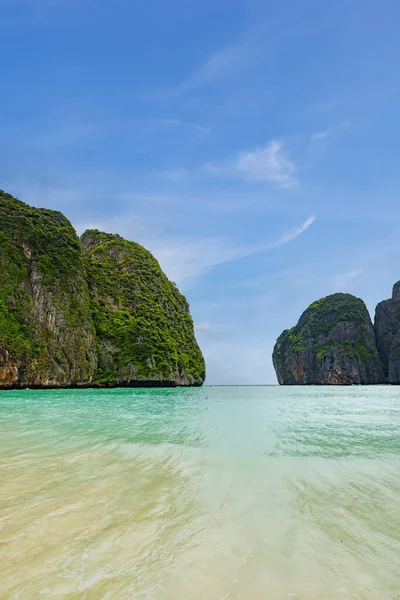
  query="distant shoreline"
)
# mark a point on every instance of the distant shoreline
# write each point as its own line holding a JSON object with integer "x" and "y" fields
{"x": 136, "y": 384}
{"x": 171, "y": 385}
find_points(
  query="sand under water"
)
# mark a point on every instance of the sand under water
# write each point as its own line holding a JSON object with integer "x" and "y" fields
{"x": 250, "y": 493}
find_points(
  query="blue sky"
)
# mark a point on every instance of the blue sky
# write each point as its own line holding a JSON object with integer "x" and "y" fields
{"x": 253, "y": 146}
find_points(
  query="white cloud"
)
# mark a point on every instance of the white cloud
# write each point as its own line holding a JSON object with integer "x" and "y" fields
{"x": 322, "y": 135}
{"x": 186, "y": 259}
{"x": 203, "y": 326}
{"x": 180, "y": 258}
{"x": 320, "y": 140}
{"x": 146, "y": 220}
{"x": 208, "y": 329}
{"x": 270, "y": 163}
{"x": 71, "y": 132}
{"x": 200, "y": 128}
{"x": 342, "y": 280}
{"x": 291, "y": 235}
{"x": 234, "y": 61}
{"x": 224, "y": 62}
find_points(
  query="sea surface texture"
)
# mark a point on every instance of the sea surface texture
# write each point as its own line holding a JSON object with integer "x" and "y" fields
{"x": 250, "y": 493}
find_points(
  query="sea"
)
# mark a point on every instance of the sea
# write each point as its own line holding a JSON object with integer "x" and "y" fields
{"x": 212, "y": 493}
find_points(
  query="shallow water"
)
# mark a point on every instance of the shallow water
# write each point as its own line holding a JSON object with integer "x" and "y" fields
{"x": 247, "y": 493}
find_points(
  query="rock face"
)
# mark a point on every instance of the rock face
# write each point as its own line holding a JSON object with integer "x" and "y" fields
{"x": 46, "y": 334}
{"x": 143, "y": 325}
{"x": 387, "y": 330}
{"x": 333, "y": 343}
{"x": 106, "y": 315}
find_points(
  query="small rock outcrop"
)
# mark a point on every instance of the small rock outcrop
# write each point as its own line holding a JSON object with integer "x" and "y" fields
{"x": 387, "y": 330}
{"x": 333, "y": 343}
{"x": 94, "y": 313}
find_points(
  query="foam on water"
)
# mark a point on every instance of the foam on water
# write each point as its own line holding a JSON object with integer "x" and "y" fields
{"x": 240, "y": 493}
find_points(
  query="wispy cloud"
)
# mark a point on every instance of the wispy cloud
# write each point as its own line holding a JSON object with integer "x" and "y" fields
{"x": 203, "y": 326}
{"x": 200, "y": 128}
{"x": 291, "y": 235}
{"x": 185, "y": 259}
{"x": 221, "y": 64}
{"x": 207, "y": 329}
{"x": 342, "y": 280}
{"x": 72, "y": 132}
{"x": 322, "y": 135}
{"x": 235, "y": 60}
{"x": 270, "y": 163}
{"x": 318, "y": 142}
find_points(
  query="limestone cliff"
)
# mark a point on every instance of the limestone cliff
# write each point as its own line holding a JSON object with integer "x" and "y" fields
{"x": 46, "y": 334}
{"x": 387, "y": 330}
{"x": 97, "y": 313}
{"x": 143, "y": 325}
{"x": 333, "y": 343}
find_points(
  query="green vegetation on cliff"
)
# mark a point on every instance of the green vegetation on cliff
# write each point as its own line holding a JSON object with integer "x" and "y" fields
{"x": 333, "y": 309}
{"x": 44, "y": 298}
{"x": 107, "y": 316}
{"x": 333, "y": 342}
{"x": 143, "y": 325}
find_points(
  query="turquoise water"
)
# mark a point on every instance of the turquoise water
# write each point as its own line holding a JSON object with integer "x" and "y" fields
{"x": 246, "y": 493}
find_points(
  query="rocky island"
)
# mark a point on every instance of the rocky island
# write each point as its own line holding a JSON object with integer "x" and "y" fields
{"x": 335, "y": 343}
{"x": 85, "y": 313}
{"x": 387, "y": 331}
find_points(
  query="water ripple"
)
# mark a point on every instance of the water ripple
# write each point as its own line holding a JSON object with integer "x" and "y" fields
{"x": 257, "y": 493}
